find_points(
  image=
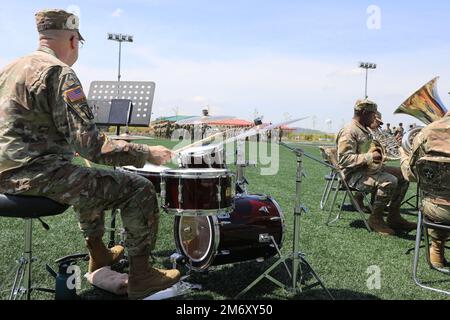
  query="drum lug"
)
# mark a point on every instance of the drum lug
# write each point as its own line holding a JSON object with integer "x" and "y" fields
{"x": 224, "y": 253}
{"x": 264, "y": 238}
{"x": 219, "y": 194}
{"x": 180, "y": 195}
{"x": 275, "y": 219}
{"x": 163, "y": 192}
{"x": 264, "y": 210}
{"x": 224, "y": 216}
{"x": 222, "y": 223}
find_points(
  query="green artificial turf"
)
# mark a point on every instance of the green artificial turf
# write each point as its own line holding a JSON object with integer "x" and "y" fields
{"x": 340, "y": 254}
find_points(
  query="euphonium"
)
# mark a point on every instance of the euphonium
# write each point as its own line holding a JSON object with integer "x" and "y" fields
{"x": 426, "y": 106}
{"x": 388, "y": 143}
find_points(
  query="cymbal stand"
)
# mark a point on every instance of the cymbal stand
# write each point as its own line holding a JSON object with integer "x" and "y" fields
{"x": 300, "y": 266}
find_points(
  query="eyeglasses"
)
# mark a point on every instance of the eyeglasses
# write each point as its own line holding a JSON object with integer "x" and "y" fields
{"x": 80, "y": 42}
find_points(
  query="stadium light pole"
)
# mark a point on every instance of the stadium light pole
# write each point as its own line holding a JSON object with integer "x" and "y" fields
{"x": 120, "y": 38}
{"x": 367, "y": 66}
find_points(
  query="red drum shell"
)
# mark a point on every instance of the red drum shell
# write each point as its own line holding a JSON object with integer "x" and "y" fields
{"x": 236, "y": 237}
{"x": 199, "y": 194}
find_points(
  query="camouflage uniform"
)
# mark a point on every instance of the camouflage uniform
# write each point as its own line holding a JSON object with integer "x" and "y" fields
{"x": 44, "y": 120}
{"x": 432, "y": 144}
{"x": 354, "y": 158}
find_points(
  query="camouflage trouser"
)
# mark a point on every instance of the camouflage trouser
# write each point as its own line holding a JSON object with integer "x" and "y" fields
{"x": 389, "y": 185}
{"x": 439, "y": 214}
{"x": 91, "y": 191}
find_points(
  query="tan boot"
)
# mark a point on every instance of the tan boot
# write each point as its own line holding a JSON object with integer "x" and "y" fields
{"x": 143, "y": 280}
{"x": 396, "y": 222}
{"x": 100, "y": 256}
{"x": 376, "y": 222}
{"x": 359, "y": 198}
{"x": 437, "y": 253}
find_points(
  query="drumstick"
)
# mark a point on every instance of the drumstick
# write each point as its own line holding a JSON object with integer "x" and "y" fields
{"x": 201, "y": 141}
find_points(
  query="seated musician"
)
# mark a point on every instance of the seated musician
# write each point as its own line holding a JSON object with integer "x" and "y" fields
{"x": 429, "y": 162}
{"x": 362, "y": 167}
{"x": 376, "y": 125}
{"x": 44, "y": 120}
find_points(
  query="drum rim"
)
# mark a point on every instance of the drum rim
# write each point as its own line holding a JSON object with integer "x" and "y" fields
{"x": 199, "y": 212}
{"x": 191, "y": 173}
{"x": 210, "y": 245}
{"x": 283, "y": 221}
{"x": 214, "y": 249}
{"x": 190, "y": 151}
{"x": 140, "y": 170}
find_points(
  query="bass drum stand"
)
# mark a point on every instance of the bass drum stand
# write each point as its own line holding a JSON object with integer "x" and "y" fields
{"x": 301, "y": 268}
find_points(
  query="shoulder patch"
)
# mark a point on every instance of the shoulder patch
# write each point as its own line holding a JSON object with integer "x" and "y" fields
{"x": 75, "y": 94}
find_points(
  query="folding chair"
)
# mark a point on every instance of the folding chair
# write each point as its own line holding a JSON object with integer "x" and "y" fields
{"x": 430, "y": 173}
{"x": 423, "y": 225}
{"x": 340, "y": 185}
{"x": 329, "y": 178}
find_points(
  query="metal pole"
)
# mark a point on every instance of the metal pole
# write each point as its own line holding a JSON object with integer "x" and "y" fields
{"x": 367, "y": 73}
{"x": 120, "y": 53}
{"x": 297, "y": 214}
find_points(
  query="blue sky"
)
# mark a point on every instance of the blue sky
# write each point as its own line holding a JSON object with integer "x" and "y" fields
{"x": 280, "y": 58}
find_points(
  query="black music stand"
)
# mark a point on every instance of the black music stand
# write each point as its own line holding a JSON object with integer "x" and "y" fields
{"x": 300, "y": 266}
{"x": 120, "y": 113}
{"x": 102, "y": 94}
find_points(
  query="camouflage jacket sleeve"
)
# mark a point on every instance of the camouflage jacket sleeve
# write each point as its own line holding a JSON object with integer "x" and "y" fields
{"x": 348, "y": 156}
{"x": 408, "y": 163}
{"x": 74, "y": 119}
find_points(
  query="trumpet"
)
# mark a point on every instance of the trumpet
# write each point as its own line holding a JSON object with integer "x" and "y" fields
{"x": 426, "y": 106}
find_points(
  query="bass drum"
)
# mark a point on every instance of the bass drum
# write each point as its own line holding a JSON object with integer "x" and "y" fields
{"x": 244, "y": 234}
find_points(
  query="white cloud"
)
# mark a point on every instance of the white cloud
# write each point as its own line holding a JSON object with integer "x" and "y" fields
{"x": 117, "y": 13}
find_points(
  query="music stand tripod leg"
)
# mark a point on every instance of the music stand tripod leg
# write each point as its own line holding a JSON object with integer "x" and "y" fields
{"x": 297, "y": 257}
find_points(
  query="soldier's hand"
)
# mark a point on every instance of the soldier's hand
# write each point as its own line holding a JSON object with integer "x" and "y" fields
{"x": 159, "y": 155}
{"x": 376, "y": 156}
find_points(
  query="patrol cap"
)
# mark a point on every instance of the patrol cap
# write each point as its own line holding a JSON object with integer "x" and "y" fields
{"x": 57, "y": 19}
{"x": 366, "y": 104}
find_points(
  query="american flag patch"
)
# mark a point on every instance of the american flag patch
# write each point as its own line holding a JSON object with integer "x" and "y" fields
{"x": 75, "y": 94}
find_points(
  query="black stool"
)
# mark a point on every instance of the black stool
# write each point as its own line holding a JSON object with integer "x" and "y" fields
{"x": 27, "y": 208}
{"x": 423, "y": 225}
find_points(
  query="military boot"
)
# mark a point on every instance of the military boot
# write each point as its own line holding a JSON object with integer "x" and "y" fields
{"x": 143, "y": 280}
{"x": 100, "y": 256}
{"x": 396, "y": 222}
{"x": 376, "y": 222}
{"x": 437, "y": 253}
{"x": 359, "y": 199}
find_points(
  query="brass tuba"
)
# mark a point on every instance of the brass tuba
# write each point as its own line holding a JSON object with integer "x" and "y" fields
{"x": 426, "y": 106}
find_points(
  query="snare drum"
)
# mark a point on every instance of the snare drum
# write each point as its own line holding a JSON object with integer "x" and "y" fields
{"x": 202, "y": 157}
{"x": 150, "y": 171}
{"x": 197, "y": 192}
{"x": 244, "y": 234}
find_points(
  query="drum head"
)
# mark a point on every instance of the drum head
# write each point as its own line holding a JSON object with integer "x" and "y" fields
{"x": 199, "y": 151}
{"x": 195, "y": 237}
{"x": 148, "y": 167}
